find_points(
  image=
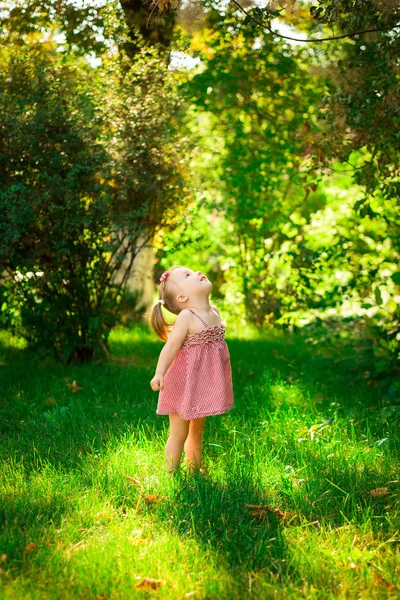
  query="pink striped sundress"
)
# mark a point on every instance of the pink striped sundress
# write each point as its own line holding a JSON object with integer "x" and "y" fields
{"x": 198, "y": 382}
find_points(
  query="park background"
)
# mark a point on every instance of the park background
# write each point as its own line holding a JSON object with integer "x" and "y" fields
{"x": 258, "y": 142}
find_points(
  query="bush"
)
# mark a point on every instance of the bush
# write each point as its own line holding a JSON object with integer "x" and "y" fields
{"x": 82, "y": 153}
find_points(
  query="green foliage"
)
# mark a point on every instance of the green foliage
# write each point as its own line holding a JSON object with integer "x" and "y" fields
{"x": 298, "y": 233}
{"x": 83, "y": 153}
{"x": 83, "y": 27}
{"x": 261, "y": 96}
{"x": 362, "y": 125}
{"x": 285, "y": 237}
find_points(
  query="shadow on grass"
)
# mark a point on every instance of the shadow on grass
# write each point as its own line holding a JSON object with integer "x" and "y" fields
{"x": 25, "y": 518}
{"x": 216, "y": 515}
{"x": 43, "y": 415}
{"x": 44, "y": 421}
{"x": 40, "y": 409}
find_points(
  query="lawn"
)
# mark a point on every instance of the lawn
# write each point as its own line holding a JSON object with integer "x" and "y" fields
{"x": 300, "y": 497}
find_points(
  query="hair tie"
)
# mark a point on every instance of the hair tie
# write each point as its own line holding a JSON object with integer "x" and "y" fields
{"x": 161, "y": 301}
{"x": 164, "y": 275}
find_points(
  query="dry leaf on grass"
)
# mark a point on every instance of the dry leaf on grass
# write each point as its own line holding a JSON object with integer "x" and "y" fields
{"x": 136, "y": 540}
{"x": 259, "y": 511}
{"x": 154, "y": 498}
{"x": 149, "y": 582}
{"x": 379, "y": 492}
{"x": 379, "y": 580}
{"x": 141, "y": 541}
{"x": 29, "y": 548}
{"x": 104, "y": 514}
{"x": 133, "y": 480}
{"x": 74, "y": 387}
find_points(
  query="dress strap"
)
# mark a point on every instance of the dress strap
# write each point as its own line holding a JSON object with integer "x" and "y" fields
{"x": 192, "y": 311}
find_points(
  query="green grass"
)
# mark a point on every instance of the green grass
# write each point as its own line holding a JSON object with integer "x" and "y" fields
{"x": 307, "y": 436}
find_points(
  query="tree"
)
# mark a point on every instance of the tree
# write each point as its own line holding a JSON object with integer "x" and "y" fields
{"x": 89, "y": 164}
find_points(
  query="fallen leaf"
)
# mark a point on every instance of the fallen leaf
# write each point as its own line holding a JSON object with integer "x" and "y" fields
{"x": 140, "y": 541}
{"x": 104, "y": 514}
{"x": 259, "y": 511}
{"x": 132, "y": 480}
{"x": 379, "y": 492}
{"x": 149, "y": 582}
{"x": 74, "y": 387}
{"x": 29, "y": 548}
{"x": 3, "y": 558}
{"x": 379, "y": 580}
{"x": 154, "y": 498}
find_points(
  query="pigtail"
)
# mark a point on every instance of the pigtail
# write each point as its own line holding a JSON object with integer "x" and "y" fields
{"x": 158, "y": 324}
{"x": 154, "y": 316}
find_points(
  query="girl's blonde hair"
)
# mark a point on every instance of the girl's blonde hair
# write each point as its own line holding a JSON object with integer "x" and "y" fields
{"x": 154, "y": 315}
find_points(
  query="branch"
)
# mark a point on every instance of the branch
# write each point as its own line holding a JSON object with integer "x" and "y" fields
{"x": 327, "y": 39}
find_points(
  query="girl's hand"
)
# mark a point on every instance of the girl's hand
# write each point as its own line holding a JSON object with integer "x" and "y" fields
{"x": 157, "y": 383}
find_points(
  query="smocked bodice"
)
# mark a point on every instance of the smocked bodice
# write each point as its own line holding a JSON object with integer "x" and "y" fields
{"x": 216, "y": 333}
{"x": 213, "y": 333}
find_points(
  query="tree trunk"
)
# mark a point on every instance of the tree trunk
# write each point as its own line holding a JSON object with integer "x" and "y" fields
{"x": 137, "y": 12}
{"x": 141, "y": 278}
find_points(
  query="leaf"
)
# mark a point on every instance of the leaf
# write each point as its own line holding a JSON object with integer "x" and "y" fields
{"x": 140, "y": 541}
{"x": 308, "y": 151}
{"x": 378, "y": 296}
{"x": 396, "y": 277}
{"x": 260, "y": 511}
{"x": 104, "y": 514}
{"x": 136, "y": 540}
{"x": 74, "y": 387}
{"x": 379, "y": 580}
{"x": 29, "y": 548}
{"x": 149, "y": 582}
{"x": 132, "y": 480}
{"x": 154, "y": 498}
{"x": 312, "y": 430}
{"x": 379, "y": 492}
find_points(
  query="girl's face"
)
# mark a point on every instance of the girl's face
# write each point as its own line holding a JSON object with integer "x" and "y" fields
{"x": 191, "y": 283}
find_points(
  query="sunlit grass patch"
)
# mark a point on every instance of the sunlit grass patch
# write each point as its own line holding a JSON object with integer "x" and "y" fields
{"x": 300, "y": 496}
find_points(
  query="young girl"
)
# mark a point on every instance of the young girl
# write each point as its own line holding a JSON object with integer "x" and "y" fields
{"x": 193, "y": 372}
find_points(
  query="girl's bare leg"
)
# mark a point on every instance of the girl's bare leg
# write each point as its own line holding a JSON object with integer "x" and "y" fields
{"x": 174, "y": 446}
{"x": 193, "y": 443}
